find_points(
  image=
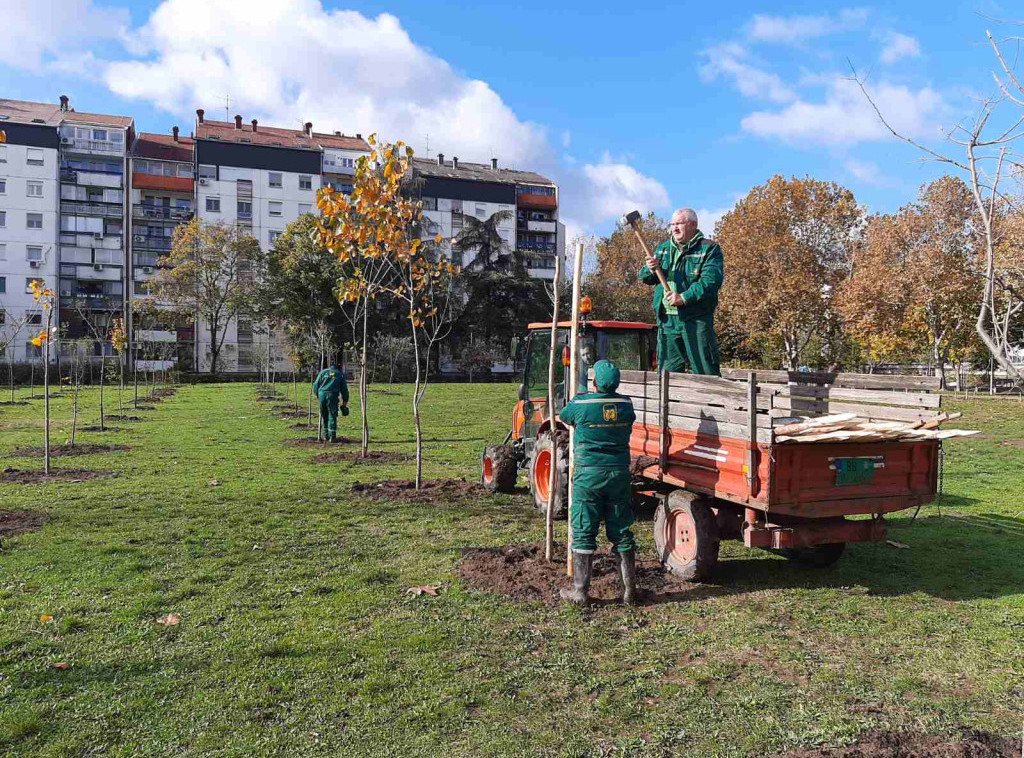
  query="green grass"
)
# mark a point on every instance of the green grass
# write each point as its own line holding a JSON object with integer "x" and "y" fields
{"x": 297, "y": 636}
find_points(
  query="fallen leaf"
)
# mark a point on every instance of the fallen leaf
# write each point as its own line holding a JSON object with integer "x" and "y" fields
{"x": 171, "y": 619}
{"x": 46, "y": 618}
{"x": 62, "y": 666}
{"x": 215, "y": 483}
{"x": 424, "y": 589}
{"x": 900, "y": 545}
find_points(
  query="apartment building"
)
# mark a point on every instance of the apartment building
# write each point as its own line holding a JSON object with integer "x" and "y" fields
{"x": 94, "y": 222}
{"x": 451, "y": 190}
{"x": 29, "y": 194}
{"x": 162, "y": 198}
{"x": 261, "y": 178}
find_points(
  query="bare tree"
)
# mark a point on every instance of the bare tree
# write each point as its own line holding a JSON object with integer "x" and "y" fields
{"x": 395, "y": 350}
{"x": 10, "y": 328}
{"x": 989, "y": 159}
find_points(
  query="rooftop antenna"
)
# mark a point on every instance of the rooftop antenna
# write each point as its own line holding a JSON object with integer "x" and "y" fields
{"x": 227, "y": 107}
{"x": 426, "y": 145}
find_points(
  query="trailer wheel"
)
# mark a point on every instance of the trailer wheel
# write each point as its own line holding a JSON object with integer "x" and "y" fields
{"x": 499, "y": 469}
{"x": 686, "y": 536}
{"x": 540, "y": 470}
{"x": 818, "y": 556}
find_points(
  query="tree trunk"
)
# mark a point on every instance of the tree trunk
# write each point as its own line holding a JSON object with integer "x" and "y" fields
{"x": 363, "y": 394}
{"x": 416, "y": 403}
{"x": 46, "y": 401}
{"x": 74, "y": 412}
{"x": 135, "y": 380}
{"x": 102, "y": 373}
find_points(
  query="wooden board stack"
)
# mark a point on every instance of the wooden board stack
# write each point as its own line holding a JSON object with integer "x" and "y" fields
{"x": 848, "y": 427}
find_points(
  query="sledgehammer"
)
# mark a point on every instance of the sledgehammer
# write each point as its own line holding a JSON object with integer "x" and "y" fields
{"x": 632, "y": 219}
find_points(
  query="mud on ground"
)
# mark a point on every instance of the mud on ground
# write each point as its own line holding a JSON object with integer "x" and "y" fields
{"x": 521, "y": 573}
{"x": 122, "y": 418}
{"x": 18, "y": 522}
{"x": 973, "y": 744}
{"x": 354, "y": 456}
{"x": 66, "y": 451}
{"x": 96, "y": 428}
{"x": 432, "y": 490}
{"x": 314, "y": 442}
{"x": 11, "y": 475}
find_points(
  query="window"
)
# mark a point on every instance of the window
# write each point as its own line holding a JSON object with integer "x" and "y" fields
{"x": 35, "y": 319}
{"x": 274, "y": 179}
{"x": 305, "y": 208}
{"x": 34, "y": 156}
{"x": 34, "y": 189}
{"x": 29, "y": 280}
{"x": 3, "y": 219}
{"x": 184, "y": 170}
{"x": 213, "y": 205}
{"x": 481, "y": 210}
{"x": 99, "y": 135}
{"x": 456, "y": 257}
{"x": 33, "y": 253}
{"x": 3, "y": 154}
{"x": 430, "y": 203}
{"x": 207, "y": 172}
{"x": 274, "y": 207}
{"x": 3, "y": 284}
{"x": 347, "y": 163}
{"x": 305, "y": 182}
{"x": 272, "y": 236}
{"x": 33, "y": 220}
{"x": 245, "y": 209}
{"x": 3, "y": 251}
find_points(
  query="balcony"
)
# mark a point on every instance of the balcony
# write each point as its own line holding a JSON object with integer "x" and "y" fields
{"x": 541, "y": 198}
{"x": 105, "y": 210}
{"x": 245, "y": 215}
{"x": 166, "y": 212}
{"x": 143, "y": 260}
{"x": 152, "y": 243}
{"x": 92, "y": 302}
{"x": 81, "y": 145}
{"x": 536, "y": 247}
{"x": 99, "y": 179}
{"x": 538, "y": 226}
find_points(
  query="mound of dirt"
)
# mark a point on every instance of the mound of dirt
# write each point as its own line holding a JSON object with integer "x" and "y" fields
{"x": 164, "y": 392}
{"x": 303, "y": 425}
{"x": 66, "y": 451}
{"x": 354, "y": 456}
{"x": 143, "y": 407}
{"x": 19, "y": 522}
{"x": 122, "y": 418}
{"x": 15, "y": 402}
{"x": 314, "y": 442}
{"x": 384, "y": 392}
{"x": 291, "y": 414}
{"x": 432, "y": 490}
{"x": 17, "y": 476}
{"x": 974, "y": 744}
{"x": 270, "y": 398}
{"x": 97, "y": 429}
{"x": 520, "y": 572}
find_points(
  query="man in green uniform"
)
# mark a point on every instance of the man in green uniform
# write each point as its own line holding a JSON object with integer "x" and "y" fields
{"x": 328, "y": 384}
{"x": 694, "y": 269}
{"x": 601, "y": 480}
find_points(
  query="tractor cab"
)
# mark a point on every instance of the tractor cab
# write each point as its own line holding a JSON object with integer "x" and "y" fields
{"x": 531, "y": 443}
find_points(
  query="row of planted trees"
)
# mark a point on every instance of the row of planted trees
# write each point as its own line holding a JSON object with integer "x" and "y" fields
{"x": 813, "y": 279}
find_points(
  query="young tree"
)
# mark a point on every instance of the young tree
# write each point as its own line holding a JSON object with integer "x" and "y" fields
{"x": 789, "y": 243}
{"x": 119, "y": 341}
{"x": 79, "y": 356}
{"x": 46, "y": 298}
{"x": 394, "y": 350}
{"x": 478, "y": 357}
{"x": 213, "y": 274}
{"x": 99, "y": 324}
{"x": 10, "y": 328}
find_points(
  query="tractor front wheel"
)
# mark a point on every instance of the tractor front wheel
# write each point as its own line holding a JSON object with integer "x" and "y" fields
{"x": 540, "y": 473}
{"x": 499, "y": 468}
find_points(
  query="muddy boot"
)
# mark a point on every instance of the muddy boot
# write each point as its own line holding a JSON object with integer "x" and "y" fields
{"x": 581, "y": 566}
{"x": 627, "y": 572}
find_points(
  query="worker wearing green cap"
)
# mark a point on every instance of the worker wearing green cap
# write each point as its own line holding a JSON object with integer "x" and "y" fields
{"x": 328, "y": 384}
{"x": 603, "y": 421}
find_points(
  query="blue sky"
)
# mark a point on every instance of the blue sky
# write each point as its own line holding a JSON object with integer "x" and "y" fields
{"x": 649, "y": 105}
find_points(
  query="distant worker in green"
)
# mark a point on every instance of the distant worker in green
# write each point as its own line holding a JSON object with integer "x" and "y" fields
{"x": 328, "y": 384}
{"x": 694, "y": 268}
{"x": 603, "y": 421}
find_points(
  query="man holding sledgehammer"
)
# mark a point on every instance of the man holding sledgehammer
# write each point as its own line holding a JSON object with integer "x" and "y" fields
{"x": 328, "y": 384}
{"x": 601, "y": 482}
{"x": 692, "y": 267}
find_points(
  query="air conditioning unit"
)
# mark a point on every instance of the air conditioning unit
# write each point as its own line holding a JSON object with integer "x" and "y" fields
{"x": 97, "y": 235}
{"x": 65, "y": 140}
{"x": 139, "y": 238}
{"x": 97, "y": 267}
{"x": 34, "y": 264}
{"x": 203, "y": 181}
{"x": 147, "y": 269}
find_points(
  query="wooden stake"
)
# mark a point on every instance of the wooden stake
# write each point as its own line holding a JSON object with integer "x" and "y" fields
{"x": 574, "y": 350}
{"x": 549, "y": 519}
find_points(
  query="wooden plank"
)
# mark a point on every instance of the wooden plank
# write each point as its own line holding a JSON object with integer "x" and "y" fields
{"x": 693, "y": 410}
{"x": 752, "y": 423}
{"x": 882, "y": 397}
{"x": 663, "y": 420}
{"x": 704, "y": 427}
{"x": 736, "y": 401}
{"x": 882, "y": 411}
{"x": 848, "y": 381}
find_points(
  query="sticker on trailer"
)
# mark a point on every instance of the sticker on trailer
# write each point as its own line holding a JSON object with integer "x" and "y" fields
{"x": 717, "y": 454}
{"x": 857, "y": 470}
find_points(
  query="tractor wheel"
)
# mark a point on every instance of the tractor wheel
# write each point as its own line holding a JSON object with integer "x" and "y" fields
{"x": 818, "y": 556}
{"x": 499, "y": 468}
{"x": 540, "y": 471}
{"x": 686, "y": 536}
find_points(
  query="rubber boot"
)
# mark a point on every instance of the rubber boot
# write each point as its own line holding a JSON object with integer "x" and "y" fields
{"x": 582, "y": 563}
{"x": 627, "y": 572}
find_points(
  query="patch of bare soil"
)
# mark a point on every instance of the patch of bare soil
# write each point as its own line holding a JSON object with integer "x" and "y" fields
{"x": 303, "y": 425}
{"x": 291, "y": 414}
{"x": 18, "y": 522}
{"x": 314, "y": 442}
{"x": 270, "y": 398}
{"x": 354, "y": 456}
{"x": 974, "y": 744}
{"x": 96, "y": 428}
{"x": 17, "y": 476}
{"x": 126, "y": 417}
{"x": 66, "y": 451}
{"x": 164, "y": 392}
{"x": 432, "y": 490}
{"x": 144, "y": 407}
{"x": 384, "y": 392}
{"x": 520, "y": 572}
{"x": 1013, "y": 443}
{"x": 14, "y": 402}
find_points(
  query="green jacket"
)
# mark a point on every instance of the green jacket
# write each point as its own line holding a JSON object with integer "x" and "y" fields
{"x": 603, "y": 422}
{"x": 331, "y": 379}
{"x": 696, "y": 272}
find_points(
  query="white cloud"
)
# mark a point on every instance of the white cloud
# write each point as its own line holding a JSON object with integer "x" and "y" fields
{"x": 730, "y": 60}
{"x": 53, "y": 33}
{"x": 566, "y": 138}
{"x": 708, "y": 217}
{"x": 845, "y": 116}
{"x": 795, "y": 29}
{"x": 866, "y": 171}
{"x": 611, "y": 189}
{"x": 899, "y": 46}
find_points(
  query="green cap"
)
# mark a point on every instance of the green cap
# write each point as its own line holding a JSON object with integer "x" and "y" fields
{"x": 606, "y": 376}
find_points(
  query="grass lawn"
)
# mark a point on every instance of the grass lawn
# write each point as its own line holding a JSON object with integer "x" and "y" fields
{"x": 297, "y": 635}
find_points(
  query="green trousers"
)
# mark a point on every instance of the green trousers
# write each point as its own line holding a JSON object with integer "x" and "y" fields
{"x": 329, "y": 414}
{"x": 689, "y": 346}
{"x": 601, "y": 494}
